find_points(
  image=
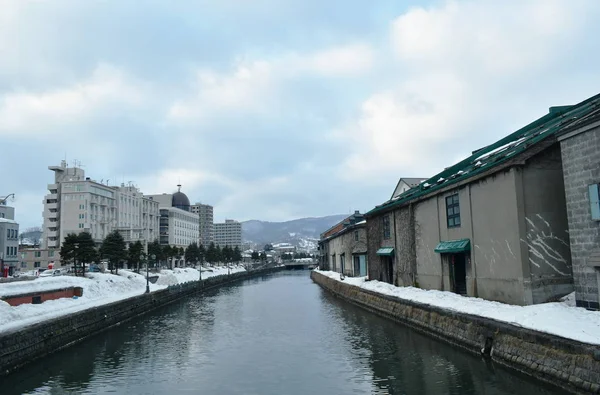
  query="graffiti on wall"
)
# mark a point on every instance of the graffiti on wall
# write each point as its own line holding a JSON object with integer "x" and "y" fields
{"x": 544, "y": 246}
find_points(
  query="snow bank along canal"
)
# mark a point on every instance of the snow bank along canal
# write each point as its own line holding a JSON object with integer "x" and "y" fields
{"x": 276, "y": 334}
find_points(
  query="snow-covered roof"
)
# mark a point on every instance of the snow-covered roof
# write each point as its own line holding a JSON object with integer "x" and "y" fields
{"x": 7, "y": 221}
{"x": 281, "y": 245}
{"x": 500, "y": 152}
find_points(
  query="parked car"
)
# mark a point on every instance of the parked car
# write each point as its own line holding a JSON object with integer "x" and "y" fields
{"x": 94, "y": 268}
{"x": 30, "y": 273}
{"x": 52, "y": 273}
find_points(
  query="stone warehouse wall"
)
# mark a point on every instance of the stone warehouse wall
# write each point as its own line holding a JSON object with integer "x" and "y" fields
{"x": 571, "y": 365}
{"x": 581, "y": 165}
{"x": 19, "y": 347}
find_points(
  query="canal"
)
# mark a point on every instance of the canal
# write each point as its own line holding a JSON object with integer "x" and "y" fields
{"x": 279, "y": 334}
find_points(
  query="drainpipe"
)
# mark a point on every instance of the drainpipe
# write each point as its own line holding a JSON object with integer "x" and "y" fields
{"x": 413, "y": 253}
{"x": 472, "y": 255}
{"x": 395, "y": 250}
{"x": 437, "y": 207}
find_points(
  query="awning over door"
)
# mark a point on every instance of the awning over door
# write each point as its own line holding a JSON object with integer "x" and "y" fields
{"x": 386, "y": 251}
{"x": 453, "y": 246}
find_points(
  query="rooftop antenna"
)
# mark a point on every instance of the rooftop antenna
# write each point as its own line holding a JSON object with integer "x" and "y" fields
{"x": 179, "y": 187}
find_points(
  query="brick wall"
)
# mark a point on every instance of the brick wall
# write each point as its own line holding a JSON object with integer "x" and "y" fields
{"x": 42, "y": 296}
{"x": 581, "y": 167}
{"x": 571, "y": 365}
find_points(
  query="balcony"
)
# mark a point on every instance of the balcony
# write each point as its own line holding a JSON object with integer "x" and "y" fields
{"x": 52, "y": 234}
{"x": 50, "y": 215}
{"x": 52, "y": 196}
{"x": 52, "y": 243}
{"x": 52, "y": 206}
{"x": 52, "y": 187}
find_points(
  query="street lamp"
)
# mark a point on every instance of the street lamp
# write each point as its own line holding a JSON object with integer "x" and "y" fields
{"x": 147, "y": 281}
{"x": 76, "y": 248}
{"x": 147, "y": 285}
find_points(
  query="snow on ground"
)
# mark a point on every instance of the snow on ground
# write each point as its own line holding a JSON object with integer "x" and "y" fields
{"x": 184, "y": 275}
{"x": 560, "y": 318}
{"x": 98, "y": 289}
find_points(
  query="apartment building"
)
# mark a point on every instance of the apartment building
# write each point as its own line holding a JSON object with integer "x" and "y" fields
{"x": 9, "y": 240}
{"x": 36, "y": 258}
{"x": 179, "y": 226}
{"x": 228, "y": 233}
{"x": 205, "y": 212}
{"x": 76, "y": 203}
{"x": 137, "y": 215}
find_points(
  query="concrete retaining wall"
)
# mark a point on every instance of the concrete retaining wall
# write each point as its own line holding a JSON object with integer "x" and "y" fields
{"x": 569, "y": 364}
{"x": 19, "y": 347}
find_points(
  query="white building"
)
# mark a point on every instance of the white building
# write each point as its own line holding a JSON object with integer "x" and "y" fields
{"x": 284, "y": 248}
{"x": 178, "y": 225}
{"x": 404, "y": 184}
{"x": 9, "y": 239}
{"x": 76, "y": 203}
{"x": 205, "y": 212}
{"x": 137, "y": 215}
{"x": 228, "y": 233}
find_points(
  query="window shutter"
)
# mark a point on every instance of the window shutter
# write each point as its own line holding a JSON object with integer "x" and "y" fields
{"x": 595, "y": 202}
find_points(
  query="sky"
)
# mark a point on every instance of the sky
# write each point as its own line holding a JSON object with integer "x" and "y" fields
{"x": 273, "y": 109}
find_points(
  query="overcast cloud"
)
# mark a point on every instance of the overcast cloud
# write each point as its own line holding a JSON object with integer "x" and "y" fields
{"x": 273, "y": 109}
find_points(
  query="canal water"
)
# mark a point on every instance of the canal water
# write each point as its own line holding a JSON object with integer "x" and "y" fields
{"x": 278, "y": 334}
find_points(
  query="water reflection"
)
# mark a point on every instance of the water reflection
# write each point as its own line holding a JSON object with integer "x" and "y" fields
{"x": 280, "y": 334}
{"x": 405, "y": 362}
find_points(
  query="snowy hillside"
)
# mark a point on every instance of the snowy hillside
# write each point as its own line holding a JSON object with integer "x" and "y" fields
{"x": 302, "y": 233}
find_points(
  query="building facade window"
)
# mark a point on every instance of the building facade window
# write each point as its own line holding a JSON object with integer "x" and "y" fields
{"x": 452, "y": 211}
{"x": 595, "y": 201}
{"x": 37, "y": 264}
{"x": 38, "y": 254}
{"x": 386, "y": 227}
{"x": 356, "y": 235}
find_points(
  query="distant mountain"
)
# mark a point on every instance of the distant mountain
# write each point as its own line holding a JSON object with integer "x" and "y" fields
{"x": 303, "y": 233}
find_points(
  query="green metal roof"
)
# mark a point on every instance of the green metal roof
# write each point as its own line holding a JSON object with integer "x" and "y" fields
{"x": 495, "y": 154}
{"x": 387, "y": 251}
{"x": 453, "y": 246}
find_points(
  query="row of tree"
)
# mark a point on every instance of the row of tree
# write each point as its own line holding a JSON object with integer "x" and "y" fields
{"x": 258, "y": 257}
{"x": 80, "y": 249}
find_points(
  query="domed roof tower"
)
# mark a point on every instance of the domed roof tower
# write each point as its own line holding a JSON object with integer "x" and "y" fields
{"x": 180, "y": 200}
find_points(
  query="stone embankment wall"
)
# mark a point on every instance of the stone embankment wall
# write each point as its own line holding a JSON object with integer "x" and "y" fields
{"x": 571, "y": 365}
{"x": 19, "y": 347}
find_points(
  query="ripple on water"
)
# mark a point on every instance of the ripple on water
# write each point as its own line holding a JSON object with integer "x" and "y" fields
{"x": 280, "y": 334}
